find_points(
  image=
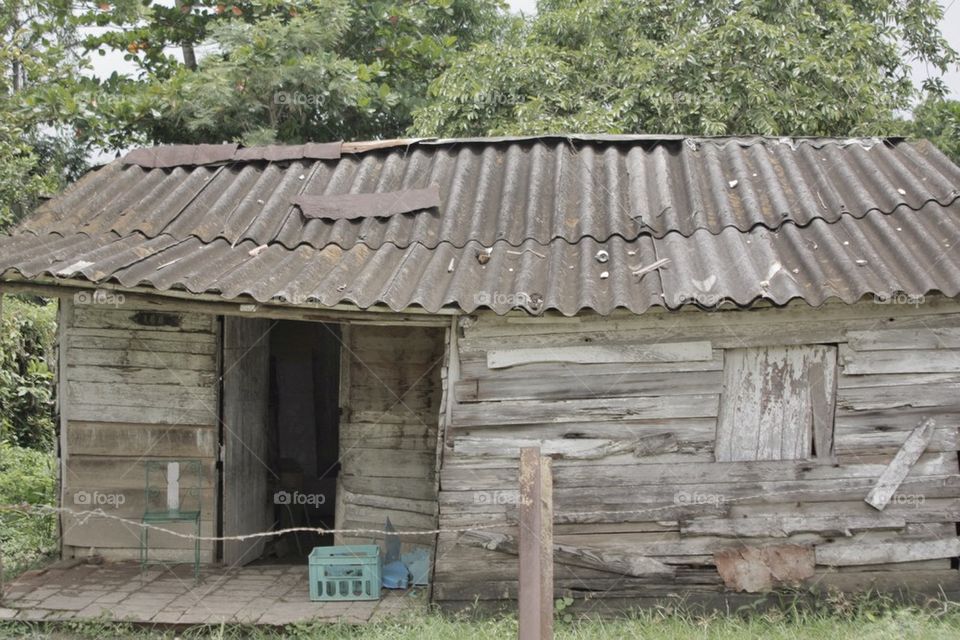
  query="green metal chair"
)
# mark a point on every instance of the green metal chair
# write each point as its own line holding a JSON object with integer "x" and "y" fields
{"x": 174, "y": 490}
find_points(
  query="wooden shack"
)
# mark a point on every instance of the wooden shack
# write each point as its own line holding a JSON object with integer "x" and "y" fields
{"x": 743, "y": 355}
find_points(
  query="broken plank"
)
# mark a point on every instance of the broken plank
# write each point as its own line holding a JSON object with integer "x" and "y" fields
{"x": 898, "y": 469}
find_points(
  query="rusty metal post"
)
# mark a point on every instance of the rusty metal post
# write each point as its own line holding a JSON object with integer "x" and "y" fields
{"x": 536, "y": 546}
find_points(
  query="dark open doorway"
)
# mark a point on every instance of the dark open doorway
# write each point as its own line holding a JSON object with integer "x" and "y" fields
{"x": 304, "y": 428}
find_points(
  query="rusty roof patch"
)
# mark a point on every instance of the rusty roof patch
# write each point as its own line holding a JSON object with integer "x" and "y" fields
{"x": 180, "y": 155}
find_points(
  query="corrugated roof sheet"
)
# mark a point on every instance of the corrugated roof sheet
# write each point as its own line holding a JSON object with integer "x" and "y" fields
{"x": 880, "y": 254}
{"x": 520, "y": 224}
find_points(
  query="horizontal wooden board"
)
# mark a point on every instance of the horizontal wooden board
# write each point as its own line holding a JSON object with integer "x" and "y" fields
{"x": 942, "y": 396}
{"x": 140, "y": 359}
{"x": 137, "y": 440}
{"x": 565, "y": 384}
{"x": 144, "y": 341}
{"x": 474, "y": 365}
{"x": 917, "y": 338}
{"x": 163, "y": 396}
{"x": 142, "y": 375}
{"x": 899, "y": 361}
{"x": 561, "y": 411}
{"x": 666, "y": 475}
{"x": 601, "y": 354}
{"x": 129, "y": 318}
{"x": 193, "y": 415}
{"x": 893, "y": 552}
{"x": 385, "y": 463}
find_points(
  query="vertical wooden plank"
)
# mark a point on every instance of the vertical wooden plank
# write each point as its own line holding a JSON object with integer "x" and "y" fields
{"x": 246, "y": 504}
{"x": 823, "y": 397}
{"x": 449, "y": 376}
{"x": 775, "y": 399}
{"x": 346, "y": 358}
{"x": 535, "y": 547}
{"x": 64, "y": 318}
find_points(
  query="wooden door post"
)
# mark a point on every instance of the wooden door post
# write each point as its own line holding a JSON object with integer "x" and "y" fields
{"x": 536, "y": 546}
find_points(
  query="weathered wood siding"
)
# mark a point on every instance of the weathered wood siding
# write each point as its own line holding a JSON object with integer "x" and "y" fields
{"x": 630, "y": 408}
{"x": 388, "y": 431}
{"x": 140, "y": 385}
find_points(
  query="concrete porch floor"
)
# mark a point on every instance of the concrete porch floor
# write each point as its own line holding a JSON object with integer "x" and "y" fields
{"x": 266, "y": 595}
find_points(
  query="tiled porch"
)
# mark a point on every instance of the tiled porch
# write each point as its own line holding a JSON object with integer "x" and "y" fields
{"x": 267, "y": 595}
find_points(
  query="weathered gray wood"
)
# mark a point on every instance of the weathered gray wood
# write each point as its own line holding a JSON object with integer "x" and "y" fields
{"x": 136, "y": 318}
{"x": 570, "y": 383}
{"x": 918, "y": 338}
{"x": 144, "y": 375}
{"x": 768, "y": 406}
{"x": 140, "y": 359}
{"x": 785, "y": 526}
{"x": 599, "y": 354}
{"x": 845, "y": 555}
{"x": 899, "y": 361}
{"x": 105, "y": 439}
{"x": 246, "y": 362}
{"x": 573, "y": 449}
{"x": 621, "y": 563}
{"x": 535, "y": 546}
{"x": 888, "y": 483}
{"x": 560, "y": 411}
{"x": 678, "y": 474}
{"x": 198, "y": 413}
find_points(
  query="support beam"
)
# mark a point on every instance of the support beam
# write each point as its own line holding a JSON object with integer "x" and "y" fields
{"x": 898, "y": 469}
{"x": 536, "y": 546}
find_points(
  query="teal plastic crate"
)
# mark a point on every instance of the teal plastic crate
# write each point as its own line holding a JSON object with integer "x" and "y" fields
{"x": 348, "y": 572}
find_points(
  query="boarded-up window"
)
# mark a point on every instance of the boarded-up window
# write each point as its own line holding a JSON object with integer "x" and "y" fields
{"x": 777, "y": 404}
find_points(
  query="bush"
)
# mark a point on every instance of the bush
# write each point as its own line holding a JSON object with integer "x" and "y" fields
{"x": 26, "y": 380}
{"x": 26, "y": 476}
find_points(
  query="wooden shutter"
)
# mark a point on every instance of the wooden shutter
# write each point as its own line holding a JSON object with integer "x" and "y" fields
{"x": 777, "y": 404}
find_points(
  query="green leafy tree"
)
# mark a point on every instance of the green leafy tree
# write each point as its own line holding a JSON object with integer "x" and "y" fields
{"x": 709, "y": 67}
{"x": 938, "y": 120}
{"x": 277, "y": 70}
{"x": 37, "y": 152}
{"x": 26, "y": 381}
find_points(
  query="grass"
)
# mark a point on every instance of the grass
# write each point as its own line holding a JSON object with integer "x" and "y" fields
{"x": 835, "y": 618}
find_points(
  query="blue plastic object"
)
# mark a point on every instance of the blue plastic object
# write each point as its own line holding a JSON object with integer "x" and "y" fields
{"x": 345, "y": 573}
{"x": 395, "y": 575}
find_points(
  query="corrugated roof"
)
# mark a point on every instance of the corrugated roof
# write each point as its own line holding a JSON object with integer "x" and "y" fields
{"x": 514, "y": 192}
{"x": 520, "y": 224}
{"x": 880, "y": 254}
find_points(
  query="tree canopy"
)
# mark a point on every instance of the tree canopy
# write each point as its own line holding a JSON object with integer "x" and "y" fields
{"x": 709, "y": 67}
